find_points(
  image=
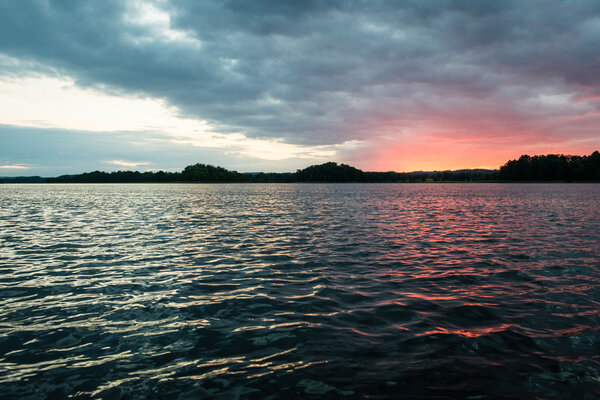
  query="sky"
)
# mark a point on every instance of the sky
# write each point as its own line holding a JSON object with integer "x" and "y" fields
{"x": 276, "y": 85}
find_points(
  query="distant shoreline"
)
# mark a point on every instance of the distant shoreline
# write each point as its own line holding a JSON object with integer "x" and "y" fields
{"x": 17, "y": 181}
{"x": 551, "y": 168}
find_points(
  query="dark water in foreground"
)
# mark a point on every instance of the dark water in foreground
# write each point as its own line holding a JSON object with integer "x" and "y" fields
{"x": 300, "y": 291}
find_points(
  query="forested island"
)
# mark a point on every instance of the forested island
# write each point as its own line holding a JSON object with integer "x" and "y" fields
{"x": 542, "y": 168}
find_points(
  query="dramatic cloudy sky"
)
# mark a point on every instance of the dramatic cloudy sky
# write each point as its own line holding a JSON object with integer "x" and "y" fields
{"x": 279, "y": 85}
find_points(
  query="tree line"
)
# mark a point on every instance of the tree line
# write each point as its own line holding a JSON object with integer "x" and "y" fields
{"x": 118, "y": 177}
{"x": 327, "y": 172}
{"x": 551, "y": 167}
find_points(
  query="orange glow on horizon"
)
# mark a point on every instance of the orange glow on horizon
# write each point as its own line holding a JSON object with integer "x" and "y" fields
{"x": 484, "y": 138}
{"x": 451, "y": 150}
{"x": 436, "y": 158}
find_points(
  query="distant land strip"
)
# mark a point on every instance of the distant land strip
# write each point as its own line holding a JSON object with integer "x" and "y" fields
{"x": 542, "y": 168}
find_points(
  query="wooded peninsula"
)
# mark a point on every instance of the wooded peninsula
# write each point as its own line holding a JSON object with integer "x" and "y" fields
{"x": 541, "y": 168}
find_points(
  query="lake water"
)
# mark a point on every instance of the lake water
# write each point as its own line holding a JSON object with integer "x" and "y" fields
{"x": 300, "y": 291}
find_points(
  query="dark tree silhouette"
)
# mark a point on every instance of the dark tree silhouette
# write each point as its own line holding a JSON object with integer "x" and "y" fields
{"x": 330, "y": 172}
{"x": 117, "y": 177}
{"x": 272, "y": 177}
{"x": 552, "y": 167}
{"x": 210, "y": 173}
{"x": 22, "y": 179}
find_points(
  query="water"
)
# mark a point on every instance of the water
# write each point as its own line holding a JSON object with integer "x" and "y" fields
{"x": 300, "y": 291}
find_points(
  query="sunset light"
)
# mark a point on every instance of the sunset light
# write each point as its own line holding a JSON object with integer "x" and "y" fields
{"x": 299, "y": 199}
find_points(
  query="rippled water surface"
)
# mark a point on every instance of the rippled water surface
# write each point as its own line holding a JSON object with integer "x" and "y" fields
{"x": 300, "y": 291}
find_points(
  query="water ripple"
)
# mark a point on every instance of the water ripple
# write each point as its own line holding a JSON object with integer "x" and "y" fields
{"x": 300, "y": 291}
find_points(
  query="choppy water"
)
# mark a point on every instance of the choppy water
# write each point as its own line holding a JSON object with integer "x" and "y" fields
{"x": 300, "y": 291}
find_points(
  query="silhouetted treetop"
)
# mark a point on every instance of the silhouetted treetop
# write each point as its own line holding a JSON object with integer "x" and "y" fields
{"x": 552, "y": 167}
{"x": 330, "y": 172}
{"x": 210, "y": 173}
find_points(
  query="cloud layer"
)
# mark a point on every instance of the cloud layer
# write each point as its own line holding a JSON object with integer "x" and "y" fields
{"x": 424, "y": 79}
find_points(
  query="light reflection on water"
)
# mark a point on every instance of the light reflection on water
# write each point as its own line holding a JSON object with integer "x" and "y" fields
{"x": 299, "y": 291}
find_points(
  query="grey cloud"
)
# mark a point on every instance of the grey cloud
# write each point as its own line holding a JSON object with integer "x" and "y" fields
{"x": 320, "y": 72}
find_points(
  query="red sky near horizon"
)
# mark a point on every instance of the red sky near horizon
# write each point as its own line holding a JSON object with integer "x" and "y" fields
{"x": 470, "y": 143}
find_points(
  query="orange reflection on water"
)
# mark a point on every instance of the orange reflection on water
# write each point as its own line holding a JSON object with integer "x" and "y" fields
{"x": 428, "y": 297}
{"x": 475, "y": 332}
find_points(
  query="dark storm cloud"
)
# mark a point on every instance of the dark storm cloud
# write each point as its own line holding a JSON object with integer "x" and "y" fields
{"x": 316, "y": 71}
